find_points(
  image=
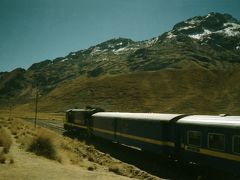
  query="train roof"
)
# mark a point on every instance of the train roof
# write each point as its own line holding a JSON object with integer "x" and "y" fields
{"x": 79, "y": 110}
{"x": 76, "y": 110}
{"x": 206, "y": 120}
{"x": 138, "y": 116}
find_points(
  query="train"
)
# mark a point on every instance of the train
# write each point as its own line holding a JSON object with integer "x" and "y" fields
{"x": 209, "y": 140}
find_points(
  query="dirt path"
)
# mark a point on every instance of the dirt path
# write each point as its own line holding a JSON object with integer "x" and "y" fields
{"x": 28, "y": 166}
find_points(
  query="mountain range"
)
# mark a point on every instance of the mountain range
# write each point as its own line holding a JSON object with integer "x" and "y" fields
{"x": 193, "y": 68}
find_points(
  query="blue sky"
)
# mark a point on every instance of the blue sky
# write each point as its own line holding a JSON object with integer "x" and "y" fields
{"x": 35, "y": 30}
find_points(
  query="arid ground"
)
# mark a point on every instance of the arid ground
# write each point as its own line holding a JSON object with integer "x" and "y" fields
{"x": 30, "y": 153}
{"x": 38, "y": 153}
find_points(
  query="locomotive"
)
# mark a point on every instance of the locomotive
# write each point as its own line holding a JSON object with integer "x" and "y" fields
{"x": 213, "y": 141}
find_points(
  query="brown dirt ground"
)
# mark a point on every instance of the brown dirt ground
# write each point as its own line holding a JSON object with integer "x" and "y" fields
{"x": 28, "y": 166}
{"x": 78, "y": 160}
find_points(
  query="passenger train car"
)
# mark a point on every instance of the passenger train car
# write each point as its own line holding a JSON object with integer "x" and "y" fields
{"x": 148, "y": 131}
{"x": 213, "y": 141}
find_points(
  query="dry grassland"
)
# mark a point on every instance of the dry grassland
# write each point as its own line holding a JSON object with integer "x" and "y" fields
{"x": 5, "y": 145}
{"x": 195, "y": 91}
{"x": 16, "y": 113}
{"x": 64, "y": 150}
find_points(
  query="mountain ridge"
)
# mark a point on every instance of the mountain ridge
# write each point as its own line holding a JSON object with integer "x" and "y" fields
{"x": 228, "y": 18}
{"x": 207, "y": 44}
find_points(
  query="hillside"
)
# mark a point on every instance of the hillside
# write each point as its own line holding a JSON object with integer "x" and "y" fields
{"x": 171, "y": 91}
{"x": 194, "y": 68}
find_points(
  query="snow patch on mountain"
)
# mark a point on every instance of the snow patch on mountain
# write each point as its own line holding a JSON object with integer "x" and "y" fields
{"x": 185, "y": 28}
{"x": 170, "y": 35}
{"x": 151, "y": 41}
{"x": 100, "y": 60}
{"x": 228, "y": 28}
{"x": 110, "y": 46}
{"x": 124, "y": 50}
{"x": 208, "y": 16}
{"x": 96, "y": 50}
{"x": 193, "y": 21}
{"x": 200, "y": 35}
{"x": 65, "y": 59}
{"x": 121, "y": 49}
{"x": 231, "y": 29}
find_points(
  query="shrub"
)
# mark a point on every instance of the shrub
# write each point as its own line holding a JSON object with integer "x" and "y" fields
{"x": 24, "y": 140}
{"x": 43, "y": 145}
{"x": 5, "y": 140}
{"x": 16, "y": 127}
{"x": 91, "y": 159}
{"x": 2, "y": 158}
{"x": 11, "y": 160}
{"x": 92, "y": 168}
{"x": 115, "y": 169}
{"x": 6, "y": 159}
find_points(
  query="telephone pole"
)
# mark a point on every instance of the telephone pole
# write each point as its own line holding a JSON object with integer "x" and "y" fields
{"x": 36, "y": 106}
{"x": 10, "y": 112}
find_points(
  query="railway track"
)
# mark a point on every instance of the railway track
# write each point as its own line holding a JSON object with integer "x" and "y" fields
{"x": 56, "y": 126}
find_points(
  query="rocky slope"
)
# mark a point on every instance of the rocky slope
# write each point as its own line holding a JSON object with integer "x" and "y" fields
{"x": 206, "y": 46}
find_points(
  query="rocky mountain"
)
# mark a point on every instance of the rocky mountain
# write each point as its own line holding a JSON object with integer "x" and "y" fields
{"x": 221, "y": 31}
{"x": 206, "y": 44}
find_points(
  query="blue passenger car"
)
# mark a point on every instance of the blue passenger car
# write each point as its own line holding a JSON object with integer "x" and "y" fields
{"x": 149, "y": 131}
{"x": 211, "y": 140}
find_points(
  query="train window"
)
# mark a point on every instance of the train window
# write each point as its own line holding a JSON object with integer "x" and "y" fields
{"x": 216, "y": 141}
{"x": 194, "y": 138}
{"x": 79, "y": 117}
{"x": 236, "y": 144}
{"x": 70, "y": 116}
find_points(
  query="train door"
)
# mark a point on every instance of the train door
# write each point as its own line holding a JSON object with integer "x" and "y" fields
{"x": 115, "y": 124}
{"x": 104, "y": 127}
{"x": 69, "y": 116}
{"x": 177, "y": 139}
